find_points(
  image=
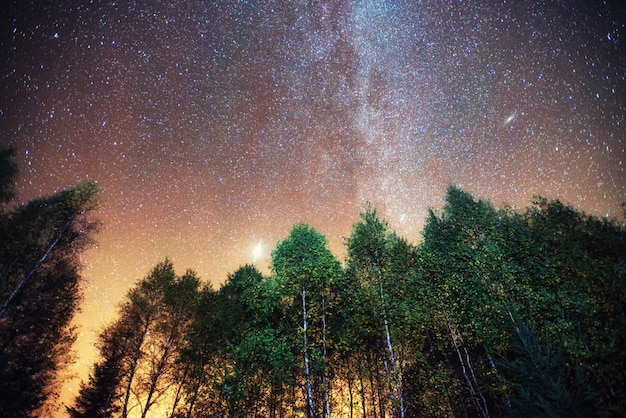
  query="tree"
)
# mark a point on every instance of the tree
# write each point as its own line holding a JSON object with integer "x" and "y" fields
{"x": 244, "y": 329}
{"x": 99, "y": 397}
{"x": 8, "y": 175}
{"x": 174, "y": 315}
{"x": 541, "y": 386}
{"x": 372, "y": 249}
{"x": 140, "y": 348}
{"x": 305, "y": 269}
{"x": 40, "y": 245}
{"x": 556, "y": 270}
{"x": 202, "y": 358}
{"x": 581, "y": 298}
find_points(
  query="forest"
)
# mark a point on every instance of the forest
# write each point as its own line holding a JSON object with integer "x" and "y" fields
{"x": 496, "y": 312}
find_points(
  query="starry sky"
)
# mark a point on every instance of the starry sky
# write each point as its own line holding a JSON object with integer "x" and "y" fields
{"x": 213, "y": 126}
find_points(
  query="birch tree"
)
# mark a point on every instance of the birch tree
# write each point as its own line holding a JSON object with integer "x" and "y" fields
{"x": 369, "y": 258}
{"x": 139, "y": 349}
{"x": 306, "y": 268}
{"x": 40, "y": 247}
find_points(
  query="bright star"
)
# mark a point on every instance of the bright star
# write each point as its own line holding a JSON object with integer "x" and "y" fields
{"x": 257, "y": 251}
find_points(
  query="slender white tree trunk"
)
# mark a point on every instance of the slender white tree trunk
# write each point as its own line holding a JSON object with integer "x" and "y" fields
{"x": 27, "y": 276}
{"x": 481, "y": 404}
{"x": 307, "y": 368}
{"x": 392, "y": 359}
{"x": 326, "y": 380}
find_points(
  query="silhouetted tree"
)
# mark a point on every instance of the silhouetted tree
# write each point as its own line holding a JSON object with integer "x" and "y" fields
{"x": 8, "y": 175}
{"x": 100, "y": 396}
{"x": 40, "y": 245}
{"x": 139, "y": 350}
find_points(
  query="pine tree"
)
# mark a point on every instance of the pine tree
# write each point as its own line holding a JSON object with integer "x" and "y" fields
{"x": 538, "y": 371}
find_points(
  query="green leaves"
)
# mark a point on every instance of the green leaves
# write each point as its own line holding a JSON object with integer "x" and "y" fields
{"x": 303, "y": 259}
{"x": 485, "y": 265}
{"x": 541, "y": 385}
{"x": 496, "y": 313}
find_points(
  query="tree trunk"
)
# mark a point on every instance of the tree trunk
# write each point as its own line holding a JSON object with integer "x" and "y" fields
{"x": 157, "y": 373}
{"x": 363, "y": 406}
{"x": 326, "y": 380}
{"x": 27, "y": 276}
{"x": 351, "y": 396}
{"x": 397, "y": 395}
{"x": 481, "y": 403}
{"x": 178, "y": 396}
{"x": 133, "y": 369}
{"x": 307, "y": 368}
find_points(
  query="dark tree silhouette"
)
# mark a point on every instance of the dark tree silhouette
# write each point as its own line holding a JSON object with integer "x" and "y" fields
{"x": 40, "y": 245}
{"x": 8, "y": 175}
{"x": 139, "y": 350}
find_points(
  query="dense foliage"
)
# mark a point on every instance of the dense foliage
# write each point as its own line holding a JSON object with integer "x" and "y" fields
{"x": 40, "y": 246}
{"x": 495, "y": 313}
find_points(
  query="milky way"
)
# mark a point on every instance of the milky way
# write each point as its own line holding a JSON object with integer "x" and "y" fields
{"x": 214, "y": 126}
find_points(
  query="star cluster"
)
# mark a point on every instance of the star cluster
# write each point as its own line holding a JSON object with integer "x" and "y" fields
{"x": 213, "y": 125}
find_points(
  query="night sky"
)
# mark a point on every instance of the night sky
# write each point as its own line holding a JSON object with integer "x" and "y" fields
{"x": 213, "y": 126}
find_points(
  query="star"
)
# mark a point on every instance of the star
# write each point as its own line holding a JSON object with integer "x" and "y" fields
{"x": 242, "y": 119}
{"x": 257, "y": 251}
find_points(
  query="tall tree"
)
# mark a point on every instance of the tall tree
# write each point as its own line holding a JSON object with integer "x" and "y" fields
{"x": 370, "y": 258}
{"x": 550, "y": 266}
{"x": 40, "y": 246}
{"x": 306, "y": 268}
{"x": 580, "y": 299}
{"x": 174, "y": 315}
{"x": 201, "y": 358}
{"x": 139, "y": 349}
{"x": 100, "y": 396}
{"x": 245, "y": 326}
{"x": 471, "y": 271}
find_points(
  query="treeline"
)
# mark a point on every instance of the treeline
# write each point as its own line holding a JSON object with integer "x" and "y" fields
{"x": 495, "y": 313}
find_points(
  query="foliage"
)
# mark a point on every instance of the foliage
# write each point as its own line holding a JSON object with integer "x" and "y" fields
{"x": 138, "y": 350}
{"x": 305, "y": 270}
{"x": 380, "y": 265}
{"x": 40, "y": 246}
{"x": 497, "y": 312}
{"x": 550, "y": 266}
{"x": 541, "y": 387}
{"x": 8, "y": 175}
